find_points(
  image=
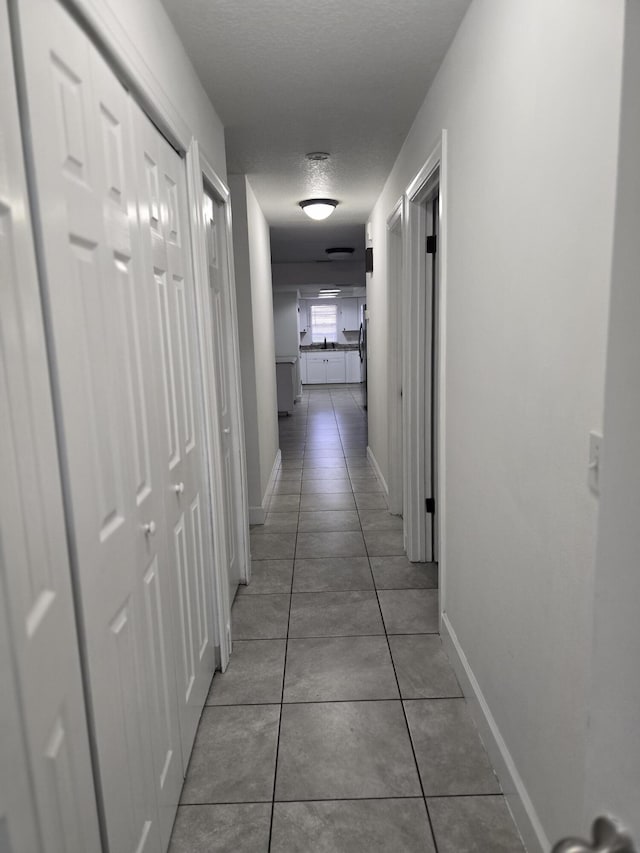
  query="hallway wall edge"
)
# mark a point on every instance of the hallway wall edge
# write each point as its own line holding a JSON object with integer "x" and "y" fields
{"x": 371, "y": 457}
{"x": 514, "y": 789}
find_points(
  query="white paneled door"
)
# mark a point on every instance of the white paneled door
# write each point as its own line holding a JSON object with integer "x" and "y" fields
{"x": 163, "y": 215}
{"x": 221, "y": 326}
{"x": 114, "y": 221}
{"x": 47, "y": 799}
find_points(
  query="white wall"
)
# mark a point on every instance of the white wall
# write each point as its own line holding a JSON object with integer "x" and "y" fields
{"x": 529, "y": 94}
{"x": 285, "y": 323}
{"x": 144, "y": 27}
{"x": 323, "y": 275}
{"x": 613, "y": 757}
{"x": 252, "y": 258}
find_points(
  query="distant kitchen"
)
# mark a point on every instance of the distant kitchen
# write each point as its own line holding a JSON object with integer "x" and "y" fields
{"x": 319, "y": 340}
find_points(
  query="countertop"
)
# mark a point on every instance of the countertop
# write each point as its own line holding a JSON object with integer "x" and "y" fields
{"x": 329, "y": 348}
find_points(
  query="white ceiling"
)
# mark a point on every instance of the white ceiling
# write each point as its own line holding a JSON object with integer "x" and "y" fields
{"x": 288, "y": 77}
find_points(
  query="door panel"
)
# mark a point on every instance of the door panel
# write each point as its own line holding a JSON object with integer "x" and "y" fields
{"x": 164, "y": 225}
{"x": 99, "y": 302}
{"x": 18, "y": 816}
{"x": 221, "y": 331}
{"x": 39, "y": 659}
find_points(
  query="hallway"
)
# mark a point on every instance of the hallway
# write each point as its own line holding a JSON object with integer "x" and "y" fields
{"x": 338, "y": 690}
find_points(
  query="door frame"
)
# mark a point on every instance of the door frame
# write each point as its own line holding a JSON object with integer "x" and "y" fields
{"x": 200, "y": 172}
{"x": 415, "y": 380}
{"x": 396, "y": 479}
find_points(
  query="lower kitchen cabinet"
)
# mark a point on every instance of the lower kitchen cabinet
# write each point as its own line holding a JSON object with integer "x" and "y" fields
{"x": 325, "y": 367}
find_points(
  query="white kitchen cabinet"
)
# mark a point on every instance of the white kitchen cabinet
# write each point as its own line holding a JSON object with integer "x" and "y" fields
{"x": 316, "y": 368}
{"x": 325, "y": 367}
{"x": 305, "y": 318}
{"x": 303, "y": 368}
{"x": 335, "y": 367}
{"x": 352, "y": 366}
{"x": 349, "y": 319}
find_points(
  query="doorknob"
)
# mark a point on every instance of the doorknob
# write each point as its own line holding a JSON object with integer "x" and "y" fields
{"x": 609, "y": 836}
{"x": 179, "y": 488}
{"x": 226, "y": 430}
{"x": 149, "y": 528}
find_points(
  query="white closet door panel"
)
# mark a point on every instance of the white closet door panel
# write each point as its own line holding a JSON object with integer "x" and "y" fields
{"x": 193, "y": 456}
{"x": 34, "y": 564}
{"x": 123, "y": 240}
{"x": 82, "y": 153}
{"x": 221, "y": 342}
{"x": 18, "y": 814}
{"x": 163, "y": 214}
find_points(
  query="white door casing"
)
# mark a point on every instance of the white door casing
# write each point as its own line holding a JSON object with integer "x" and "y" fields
{"x": 394, "y": 376}
{"x": 221, "y": 328}
{"x": 164, "y": 224}
{"x": 205, "y": 184}
{"x": 431, "y": 286}
{"x": 415, "y": 382}
{"x": 47, "y": 798}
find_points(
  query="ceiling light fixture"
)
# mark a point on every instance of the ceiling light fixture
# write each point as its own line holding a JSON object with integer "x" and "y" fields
{"x": 326, "y": 290}
{"x": 317, "y": 156}
{"x": 319, "y": 208}
{"x": 340, "y": 254}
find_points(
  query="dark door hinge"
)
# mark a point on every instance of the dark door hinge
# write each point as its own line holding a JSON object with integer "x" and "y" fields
{"x": 432, "y": 244}
{"x": 430, "y": 505}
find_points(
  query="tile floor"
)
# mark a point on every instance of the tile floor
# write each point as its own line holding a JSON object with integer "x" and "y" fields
{"x": 339, "y": 726}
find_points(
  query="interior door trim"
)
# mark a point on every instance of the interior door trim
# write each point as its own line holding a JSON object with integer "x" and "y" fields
{"x": 199, "y": 170}
{"x": 433, "y": 172}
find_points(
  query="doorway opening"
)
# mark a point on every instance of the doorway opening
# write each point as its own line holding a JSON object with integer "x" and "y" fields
{"x": 423, "y": 331}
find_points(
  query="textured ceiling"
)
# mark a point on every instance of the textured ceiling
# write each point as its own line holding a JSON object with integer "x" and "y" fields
{"x": 292, "y": 76}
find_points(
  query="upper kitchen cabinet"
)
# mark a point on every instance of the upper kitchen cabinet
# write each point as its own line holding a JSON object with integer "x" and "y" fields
{"x": 349, "y": 320}
{"x": 304, "y": 323}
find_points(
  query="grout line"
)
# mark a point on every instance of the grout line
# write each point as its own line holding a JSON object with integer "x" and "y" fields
{"x": 341, "y": 799}
{"x": 404, "y": 712}
{"x": 284, "y": 672}
{"x": 337, "y": 701}
{"x": 338, "y": 636}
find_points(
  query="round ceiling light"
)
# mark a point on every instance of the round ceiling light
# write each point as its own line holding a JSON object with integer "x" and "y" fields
{"x": 340, "y": 253}
{"x": 317, "y": 155}
{"x": 319, "y": 208}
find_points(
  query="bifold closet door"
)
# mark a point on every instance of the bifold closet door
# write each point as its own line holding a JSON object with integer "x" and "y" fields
{"x": 99, "y": 298}
{"x": 165, "y": 230}
{"x": 47, "y": 798}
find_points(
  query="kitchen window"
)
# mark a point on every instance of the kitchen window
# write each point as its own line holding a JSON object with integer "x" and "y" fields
{"x": 324, "y": 323}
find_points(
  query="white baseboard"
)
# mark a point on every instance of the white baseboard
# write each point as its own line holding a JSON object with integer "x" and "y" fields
{"x": 376, "y": 468}
{"x": 257, "y": 514}
{"x": 516, "y": 795}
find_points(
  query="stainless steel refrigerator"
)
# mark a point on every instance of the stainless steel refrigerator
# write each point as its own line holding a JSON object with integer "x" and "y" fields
{"x": 362, "y": 349}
